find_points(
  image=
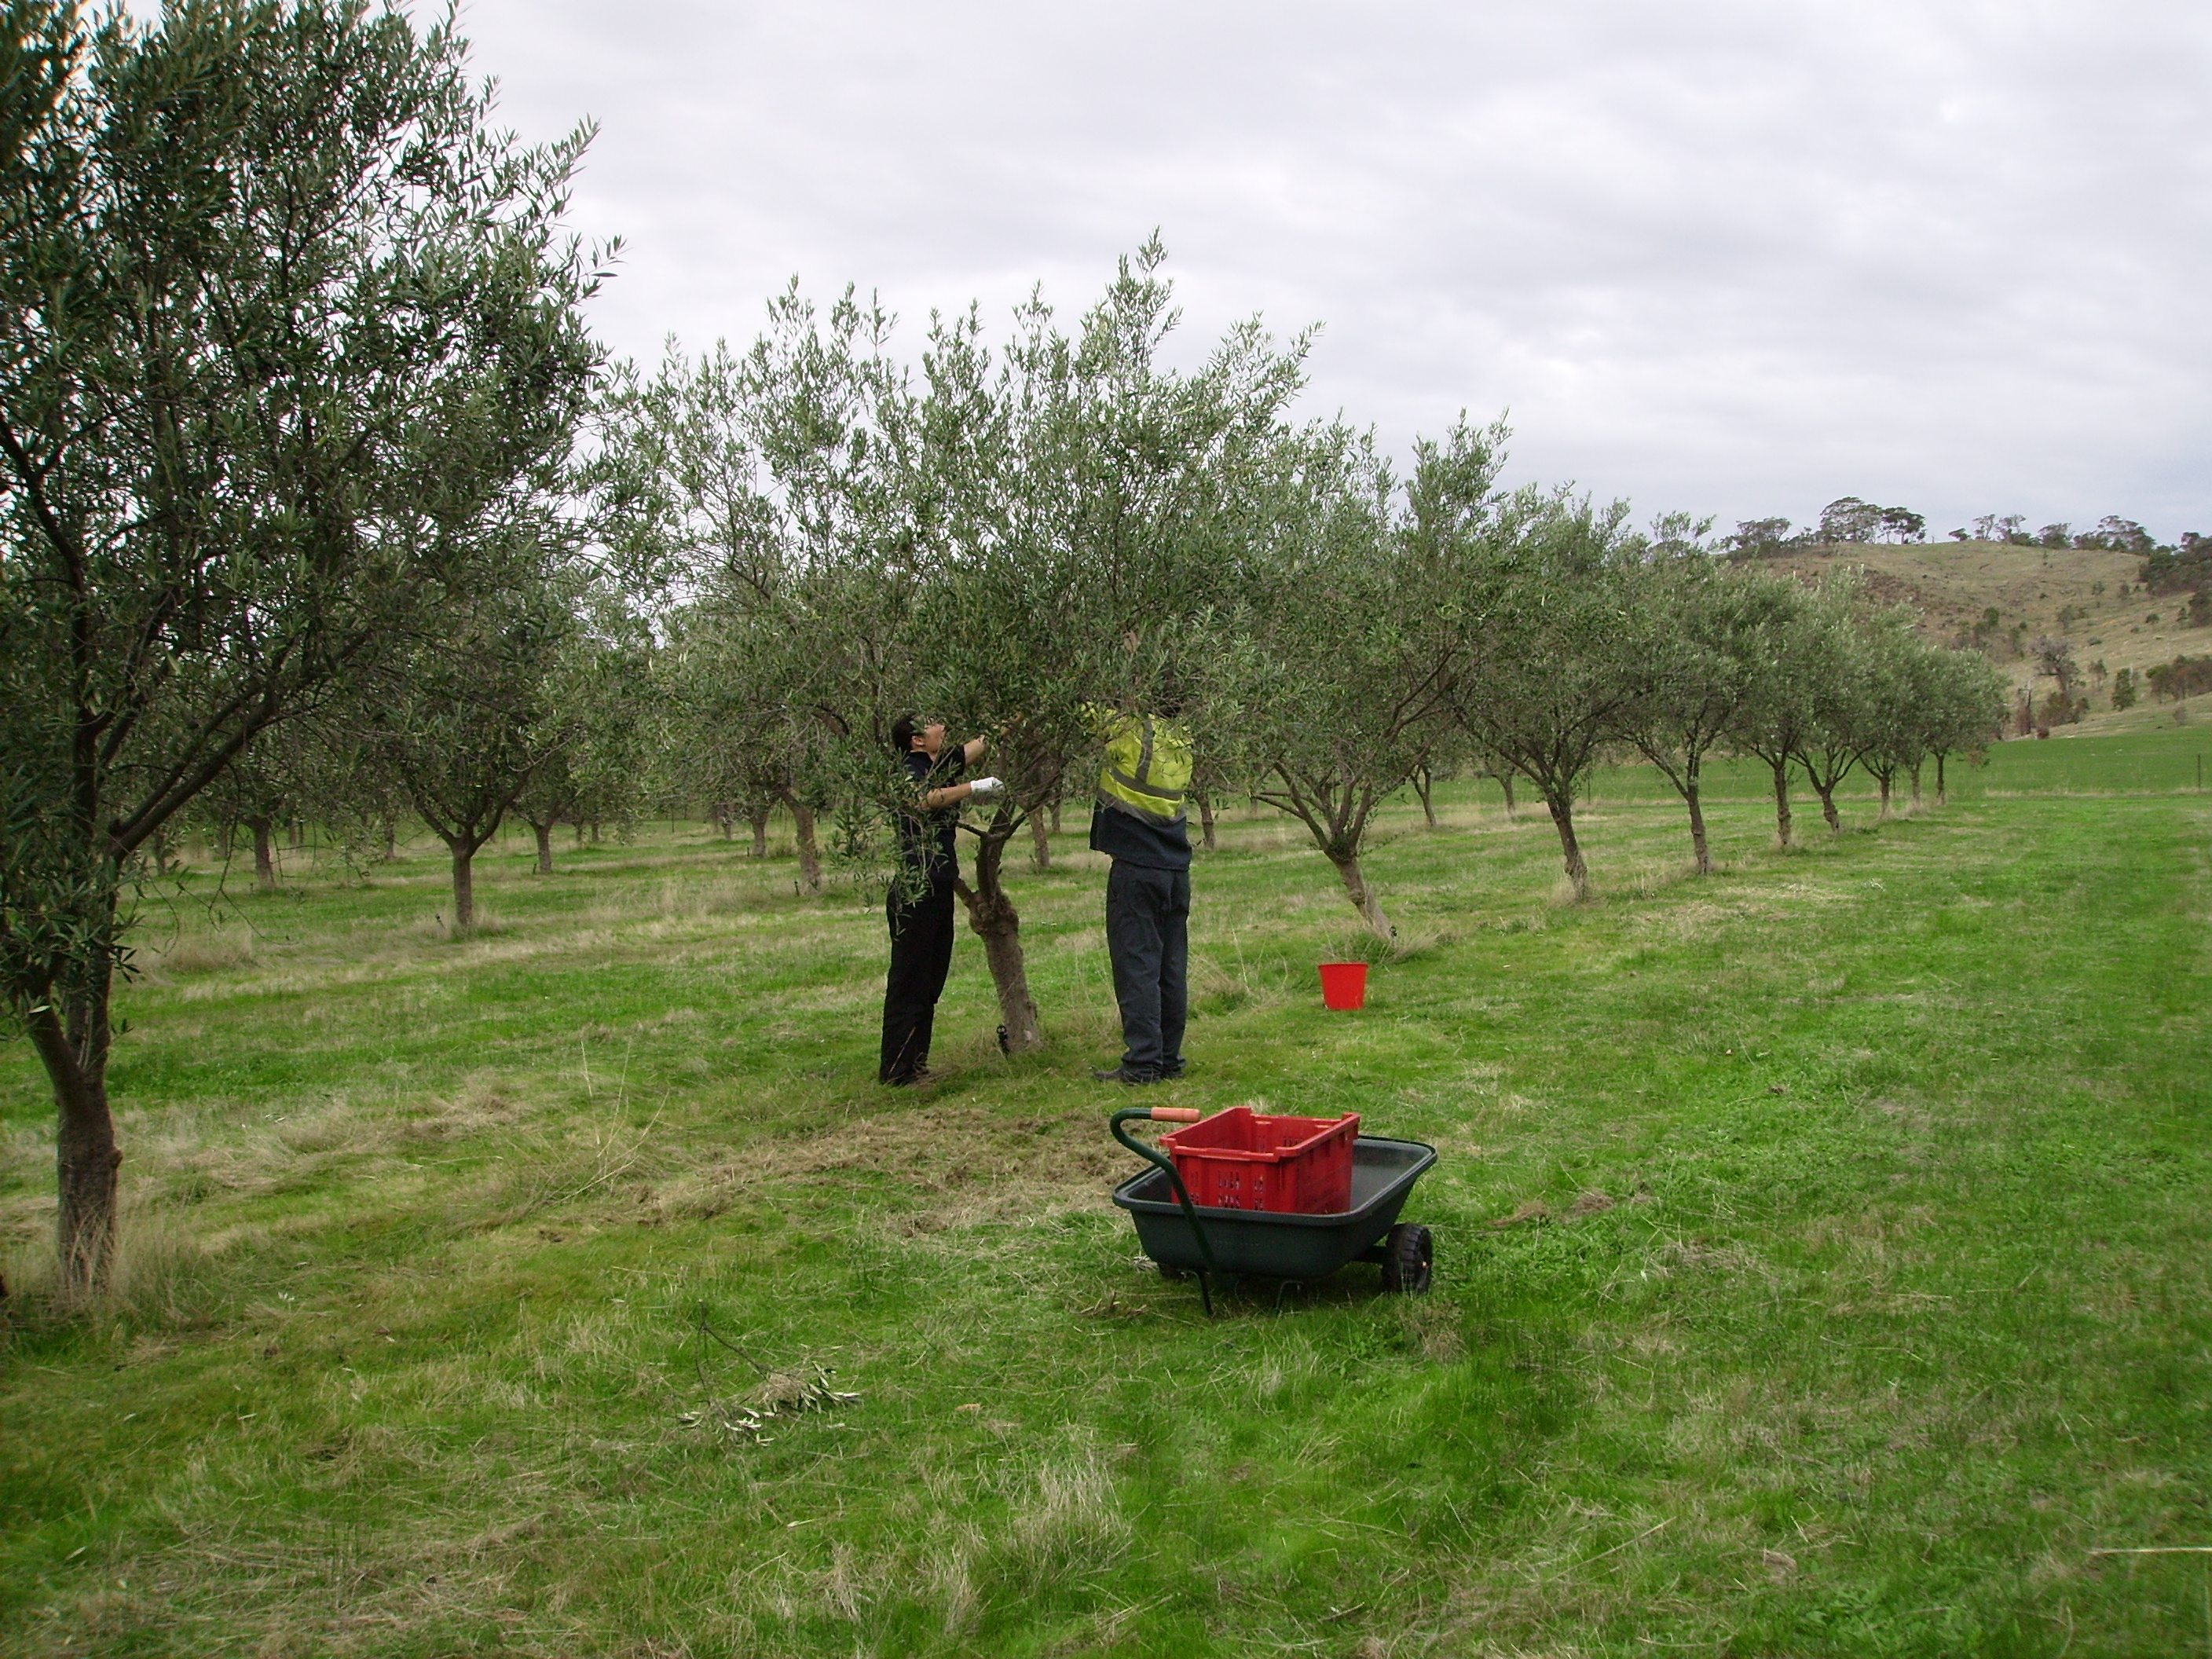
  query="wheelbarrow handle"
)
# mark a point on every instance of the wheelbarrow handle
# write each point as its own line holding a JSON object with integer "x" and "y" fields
{"x": 1153, "y": 1155}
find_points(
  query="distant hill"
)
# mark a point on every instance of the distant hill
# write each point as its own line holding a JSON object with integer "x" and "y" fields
{"x": 1954, "y": 585}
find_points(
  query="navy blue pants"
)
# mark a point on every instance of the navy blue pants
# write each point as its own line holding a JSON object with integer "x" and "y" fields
{"x": 1148, "y": 939}
{"x": 922, "y": 955}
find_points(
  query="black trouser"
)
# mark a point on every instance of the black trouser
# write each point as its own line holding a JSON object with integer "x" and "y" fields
{"x": 921, "y": 954}
{"x": 1148, "y": 939}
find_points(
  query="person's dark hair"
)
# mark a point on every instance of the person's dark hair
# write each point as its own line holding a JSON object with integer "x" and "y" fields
{"x": 903, "y": 730}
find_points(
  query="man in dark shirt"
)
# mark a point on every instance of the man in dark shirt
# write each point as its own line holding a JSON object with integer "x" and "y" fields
{"x": 1139, "y": 820}
{"x": 919, "y": 906}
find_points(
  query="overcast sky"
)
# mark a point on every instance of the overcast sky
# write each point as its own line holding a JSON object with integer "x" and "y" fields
{"x": 1739, "y": 257}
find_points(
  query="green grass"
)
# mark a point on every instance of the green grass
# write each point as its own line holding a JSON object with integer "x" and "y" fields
{"x": 2158, "y": 758}
{"x": 1822, "y": 1262}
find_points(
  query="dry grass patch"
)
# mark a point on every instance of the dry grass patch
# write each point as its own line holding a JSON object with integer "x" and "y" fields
{"x": 181, "y": 955}
{"x": 162, "y": 1275}
{"x": 954, "y": 1163}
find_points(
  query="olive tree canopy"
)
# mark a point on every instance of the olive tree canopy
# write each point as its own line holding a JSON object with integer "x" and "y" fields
{"x": 280, "y": 319}
{"x": 1544, "y": 598}
{"x": 1342, "y": 689}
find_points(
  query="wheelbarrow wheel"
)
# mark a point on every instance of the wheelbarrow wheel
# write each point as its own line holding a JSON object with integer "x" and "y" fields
{"x": 1409, "y": 1256}
{"x": 1173, "y": 1275}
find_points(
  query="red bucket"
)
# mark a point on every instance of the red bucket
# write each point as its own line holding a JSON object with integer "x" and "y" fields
{"x": 1344, "y": 984}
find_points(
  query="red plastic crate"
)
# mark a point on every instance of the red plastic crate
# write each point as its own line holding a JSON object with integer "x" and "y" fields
{"x": 1240, "y": 1160}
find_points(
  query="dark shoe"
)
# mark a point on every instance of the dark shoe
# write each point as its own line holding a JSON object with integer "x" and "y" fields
{"x": 1169, "y": 1073}
{"x": 1123, "y": 1074}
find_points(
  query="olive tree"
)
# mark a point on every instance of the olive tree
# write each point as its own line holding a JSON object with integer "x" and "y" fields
{"x": 1002, "y": 535}
{"x": 594, "y": 759}
{"x": 734, "y": 730}
{"x": 1965, "y": 708}
{"x": 470, "y": 716}
{"x": 1541, "y": 596}
{"x": 1902, "y": 698}
{"x": 750, "y": 488}
{"x": 1343, "y": 692}
{"x": 260, "y": 789}
{"x": 1772, "y": 722}
{"x": 1085, "y": 511}
{"x": 278, "y": 313}
{"x": 1708, "y": 627}
{"x": 1900, "y": 669}
{"x": 1839, "y": 662}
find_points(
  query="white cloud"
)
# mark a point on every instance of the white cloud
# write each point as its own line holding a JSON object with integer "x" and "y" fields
{"x": 1732, "y": 255}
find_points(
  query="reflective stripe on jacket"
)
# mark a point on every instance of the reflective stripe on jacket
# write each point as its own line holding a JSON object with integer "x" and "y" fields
{"x": 1148, "y": 769}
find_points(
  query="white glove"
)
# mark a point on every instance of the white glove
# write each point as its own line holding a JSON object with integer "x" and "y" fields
{"x": 985, "y": 787}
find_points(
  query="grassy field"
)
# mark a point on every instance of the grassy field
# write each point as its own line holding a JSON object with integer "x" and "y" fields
{"x": 1822, "y": 1262}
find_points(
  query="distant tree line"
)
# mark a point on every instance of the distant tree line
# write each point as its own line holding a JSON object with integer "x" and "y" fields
{"x": 2111, "y": 534}
{"x": 1844, "y": 521}
{"x": 1848, "y": 521}
{"x": 2184, "y": 568}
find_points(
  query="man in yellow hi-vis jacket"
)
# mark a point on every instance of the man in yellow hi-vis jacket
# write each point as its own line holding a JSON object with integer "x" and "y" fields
{"x": 1138, "y": 821}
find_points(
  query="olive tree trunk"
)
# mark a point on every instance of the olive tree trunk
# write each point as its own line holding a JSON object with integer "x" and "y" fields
{"x": 464, "y": 846}
{"x": 1364, "y": 896}
{"x": 1562, "y": 808}
{"x": 545, "y": 833}
{"x": 992, "y": 915}
{"x": 1693, "y": 797}
{"x": 1781, "y": 802}
{"x": 810, "y": 849}
{"x": 264, "y": 858}
{"x": 1685, "y": 769}
{"x": 464, "y": 884}
{"x": 1336, "y": 810}
{"x": 85, "y": 1157}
